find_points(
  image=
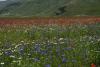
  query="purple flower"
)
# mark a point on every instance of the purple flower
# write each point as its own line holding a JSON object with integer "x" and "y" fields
{"x": 59, "y": 65}
{"x": 8, "y": 52}
{"x": 36, "y": 59}
{"x": 58, "y": 49}
{"x": 43, "y": 52}
{"x": 46, "y": 59}
{"x": 48, "y": 46}
{"x": 37, "y": 48}
{"x": 64, "y": 60}
{"x": 47, "y": 65}
{"x": 21, "y": 49}
{"x": 63, "y": 55}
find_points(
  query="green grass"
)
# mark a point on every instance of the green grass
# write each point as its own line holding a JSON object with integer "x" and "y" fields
{"x": 50, "y": 46}
{"x": 48, "y": 8}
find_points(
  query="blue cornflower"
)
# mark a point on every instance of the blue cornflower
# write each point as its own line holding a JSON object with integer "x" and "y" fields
{"x": 8, "y": 52}
{"x": 21, "y": 49}
{"x": 37, "y": 48}
{"x": 36, "y": 59}
{"x": 47, "y": 65}
{"x": 43, "y": 52}
{"x": 58, "y": 49}
{"x": 64, "y": 60}
{"x": 49, "y": 46}
{"x": 63, "y": 55}
{"x": 59, "y": 65}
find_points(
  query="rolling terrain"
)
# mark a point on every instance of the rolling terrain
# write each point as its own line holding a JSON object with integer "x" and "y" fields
{"x": 49, "y": 8}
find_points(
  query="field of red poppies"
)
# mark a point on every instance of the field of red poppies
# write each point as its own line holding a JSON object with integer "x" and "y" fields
{"x": 46, "y": 21}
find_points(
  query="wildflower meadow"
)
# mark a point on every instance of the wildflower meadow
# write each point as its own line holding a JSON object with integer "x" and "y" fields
{"x": 50, "y": 46}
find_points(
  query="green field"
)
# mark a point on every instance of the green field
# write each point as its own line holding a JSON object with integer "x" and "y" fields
{"x": 49, "y": 8}
{"x": 50, "y": 46}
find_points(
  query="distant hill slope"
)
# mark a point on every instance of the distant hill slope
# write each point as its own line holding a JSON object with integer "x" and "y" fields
{"x": 47, "y": 8}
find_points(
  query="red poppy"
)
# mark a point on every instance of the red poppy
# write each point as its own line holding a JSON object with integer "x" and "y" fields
{"x": 93, "y": 65}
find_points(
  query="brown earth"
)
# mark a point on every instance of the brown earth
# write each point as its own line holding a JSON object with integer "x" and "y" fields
{"x": 46, "y": 21}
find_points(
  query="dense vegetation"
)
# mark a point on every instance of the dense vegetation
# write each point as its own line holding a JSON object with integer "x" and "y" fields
{"x": 50, "y": 46}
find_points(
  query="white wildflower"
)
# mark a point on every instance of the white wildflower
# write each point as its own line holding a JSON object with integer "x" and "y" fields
{"x": 0, "y": 53}
{"x": 55, "y": 43}
{"x": 98, "y": 40}
{"x": 51, "y": 28}
{"x": 61, "y": 39}
{"x": 19, "y": 58}
{"x": 14, "y": 61}
{"x": 33, "y": 42}
{"x": 12, "y": 56}
{"x": 22, "y": 41}
{"x": 61, "y": 42}
{"x": 90, "y": 38}
{"x": 2, "y": 63}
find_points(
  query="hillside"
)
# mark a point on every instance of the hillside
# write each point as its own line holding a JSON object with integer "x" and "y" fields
{"x": 47, "y": 8}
